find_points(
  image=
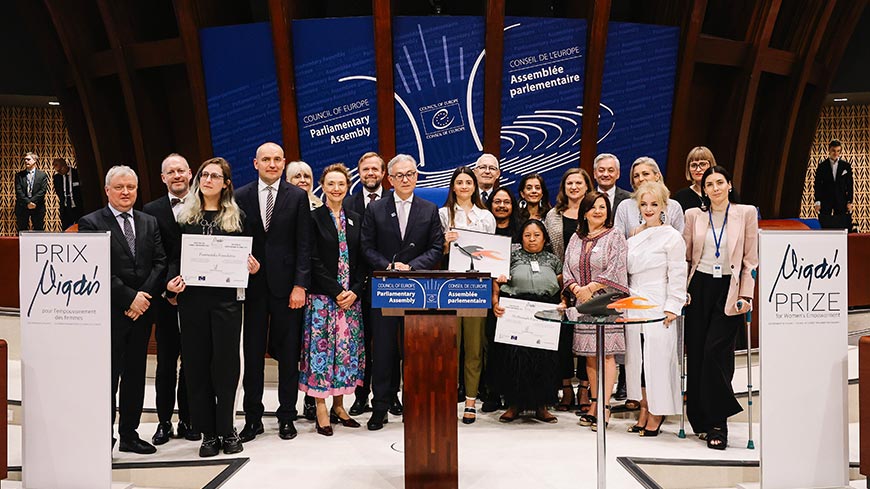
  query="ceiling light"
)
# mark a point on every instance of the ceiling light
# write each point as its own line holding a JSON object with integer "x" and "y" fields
{"x": 840, "y": 99}
{"x": 53, "y": 102}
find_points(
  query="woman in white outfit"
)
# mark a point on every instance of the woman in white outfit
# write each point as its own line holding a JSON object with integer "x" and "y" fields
{"x": 657, "y": 272}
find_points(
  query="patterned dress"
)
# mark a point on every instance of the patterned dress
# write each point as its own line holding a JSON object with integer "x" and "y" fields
{"x": 333, "y": 351}
{"x": 601, "y": 259}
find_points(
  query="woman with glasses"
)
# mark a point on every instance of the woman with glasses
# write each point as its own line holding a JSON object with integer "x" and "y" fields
{"x": 464, "y": 210}
{"x": 300, "y": 175}
{"x": 699, "y": 159}
{"x": 211, "y": 317}
{"x": 503, "y": 206}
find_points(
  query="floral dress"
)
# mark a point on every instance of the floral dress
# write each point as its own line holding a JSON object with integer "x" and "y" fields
{"x": 333, "y": 351}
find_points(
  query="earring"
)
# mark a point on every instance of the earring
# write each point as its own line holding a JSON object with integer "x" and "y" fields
{"x": 523, "y": 204}
{"x": 640, "y": 219}
{"x": 662, "y": 217}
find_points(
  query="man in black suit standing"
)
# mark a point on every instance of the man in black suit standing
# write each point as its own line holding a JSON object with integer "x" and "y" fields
{"x": 175, "y": 173}
{"x": 487, "y": 171}
{"x": 605, "y": 170}
{"x": 400, "y": 232}
{"x": 138, "y": 265}
{"x": 279, "y": 217}
{"x": 833, "y": 189}
{"x": 31, "y": 186}
{"x": 69, "y": 192}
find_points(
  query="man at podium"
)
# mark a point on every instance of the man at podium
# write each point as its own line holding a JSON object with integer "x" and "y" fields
{"x": 398, "y": 233}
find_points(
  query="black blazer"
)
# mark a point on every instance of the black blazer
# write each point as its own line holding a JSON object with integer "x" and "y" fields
{"x": 356, "y": 202}
{"x": 324, "y": 256}
{"x": 381, "y": 238}
{"x": 833, "y": 194}
{"x": 57, "y": 180}
{"x": 284, "y": 252}
{"x": 40, "y": 187}
{"x": 170, "y": 232}
{"x": 131, "y": 275}
{"x": 618, "y": 197}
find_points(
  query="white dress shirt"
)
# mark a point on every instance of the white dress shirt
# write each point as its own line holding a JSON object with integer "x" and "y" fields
{"x": 477, "y": 220}
{"x": 611, "y": 194}
{"x": 117, "y": 214}
{"x": 403, "y": 208}
{"x": 261, "y": 196}
{"x": 379, "y": 192}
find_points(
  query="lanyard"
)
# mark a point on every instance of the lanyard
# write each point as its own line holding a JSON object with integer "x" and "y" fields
{"x": 718, "y": 240}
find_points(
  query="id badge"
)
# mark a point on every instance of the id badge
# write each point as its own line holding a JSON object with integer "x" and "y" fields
{"x": 717, "y": 271}
{"x": 537, "y": 268}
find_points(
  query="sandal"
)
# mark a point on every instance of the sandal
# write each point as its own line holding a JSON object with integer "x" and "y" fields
{"x": 594, "y": 426}
{"x": 632, "y": 405}
{"x": 635, "y": 429}
{"x": 717, "y": 439}
{"x": 565, "y": 406}
{"x": 587, "y": 419}
{"x": 583, "y": 407}
{"x": 466, "y": 419}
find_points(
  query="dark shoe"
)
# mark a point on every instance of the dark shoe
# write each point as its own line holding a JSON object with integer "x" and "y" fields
{"x": 211, "y": 446}
{"x": 377, "y": 421}
{"x": 163, "y": 433}
{"x": 620, "y": 394}
{"x": 632, "y": 405}
{"x": 232, "y": 444}
{"x": 309, "y": 411}
{"x": 546, "y": 416}
{"x": 717, "y": 439}
{"x": 114, "y": 440}
{"x": 136, "y": 445}
{"x": 567, "y": 400}
{"x": 322, "y": 430}
{"x": 360, "y": 406}
{"x": 587, "y": 419}
{"x": 491, "y": 405}
{"x": 186, "y": 431}
{"x": 509, "y": 415}
{"x": 655, "y": 432}
{"x": 250, "y": 431}
{"x": 396, "y": 408}
{"x": 347, "y": 423}
{"x": 466, "y": 419}
{"x": 286, "y": 430}
{"x": 635, "y": 429}
{"x": 583, "y": 407}
{"x": 460, "y": 394}
{"x": 594, "y": 426}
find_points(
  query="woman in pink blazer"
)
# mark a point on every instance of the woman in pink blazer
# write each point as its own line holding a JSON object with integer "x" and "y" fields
{"x": 721, "y": 248}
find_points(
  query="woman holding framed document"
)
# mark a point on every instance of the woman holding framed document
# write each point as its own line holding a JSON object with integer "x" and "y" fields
{"x": 211, "y": 317}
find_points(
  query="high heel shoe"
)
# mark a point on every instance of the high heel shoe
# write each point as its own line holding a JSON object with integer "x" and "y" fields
{"x": 322, "y": 430}
{"x": 473, "y": 412}
{"x": 594, "y": 426}
{"x": 655, "y": 432}
{"x": 336, "y": 419}
{"x": 567, "y": 398}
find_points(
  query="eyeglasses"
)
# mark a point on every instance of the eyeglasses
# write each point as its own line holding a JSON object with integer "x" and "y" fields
{"x": 403, "y": 176}
{"x": 485, "y": 168}
{"x": 496, "y": 202}
{"x": 699, "y": 165}
{"x": 211, "y": 176}
{"x": 172, "y": 173}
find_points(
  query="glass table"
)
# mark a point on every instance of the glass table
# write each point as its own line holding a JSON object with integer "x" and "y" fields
{"x": 571, "y": 316}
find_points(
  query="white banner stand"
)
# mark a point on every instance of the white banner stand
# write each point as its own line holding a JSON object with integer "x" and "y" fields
{"x": 803, "y": 328}
{"x": 65, "y": 284}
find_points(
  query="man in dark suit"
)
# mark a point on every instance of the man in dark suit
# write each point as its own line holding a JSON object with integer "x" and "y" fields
{"x": 175, "y": 173}
{"x": 279, "y": 217}
{"x": 138, "y": 264}
{"x": 69, "y": 192}
{"x": 402, "y": 233}
{"x": 606, "y": 172}
{"x": 833, "y": 189}
{"x": 31, "y": 186}
{"x": 487, "y": 171}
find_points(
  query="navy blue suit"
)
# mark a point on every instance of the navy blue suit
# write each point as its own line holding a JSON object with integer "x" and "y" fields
{"x": 381, "y": 240}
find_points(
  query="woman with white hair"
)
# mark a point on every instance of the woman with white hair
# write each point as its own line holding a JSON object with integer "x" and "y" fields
{"x": 299, "y": 174}
{"x": 627, "y": 217}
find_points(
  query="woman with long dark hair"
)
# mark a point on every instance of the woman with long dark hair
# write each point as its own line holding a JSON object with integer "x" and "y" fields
{"x": 211, "y": 317}
{"x": 534, "y": 198}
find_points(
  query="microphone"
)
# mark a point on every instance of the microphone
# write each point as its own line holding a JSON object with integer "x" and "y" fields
{"x": 469, "y": 255}
{"x": 393, "y": 261}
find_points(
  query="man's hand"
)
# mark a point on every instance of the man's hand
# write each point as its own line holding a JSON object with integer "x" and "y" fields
{"x": 818, "y": 207}
{"x": 849, "y": 207}
{"x": 297, "y": 297}
{"x": 31, "y": 205}
{"x": 140, "y": 303}
{"x": 176, "y": 285}
{"x": 401, "y": 266}
{"x": 253, "y": 265}
{"x": 132, "y": 315}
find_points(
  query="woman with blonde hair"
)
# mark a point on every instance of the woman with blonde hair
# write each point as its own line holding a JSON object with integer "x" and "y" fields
{"x": 299, "y": 174}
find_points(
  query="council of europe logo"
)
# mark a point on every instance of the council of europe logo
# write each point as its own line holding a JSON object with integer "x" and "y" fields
{"x": 442, "y": 118}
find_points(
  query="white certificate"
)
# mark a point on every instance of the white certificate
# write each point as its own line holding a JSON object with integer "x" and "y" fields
{"x": 519, "y": 326}
{"x": 490, "y": 253}
{"x": 215, "y": 261}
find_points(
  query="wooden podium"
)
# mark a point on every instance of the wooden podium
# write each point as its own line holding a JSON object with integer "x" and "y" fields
{"x": 430, "y": 364}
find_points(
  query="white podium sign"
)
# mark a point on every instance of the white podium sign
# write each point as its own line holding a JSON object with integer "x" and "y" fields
{"x": 803, "y": 336}
{"x": 65, "y": 284}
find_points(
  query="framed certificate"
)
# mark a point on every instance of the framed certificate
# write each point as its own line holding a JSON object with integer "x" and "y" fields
{"x": 215, "y": 261}
{"x": 519, "y": 326}
{"x": 489, "y": 252}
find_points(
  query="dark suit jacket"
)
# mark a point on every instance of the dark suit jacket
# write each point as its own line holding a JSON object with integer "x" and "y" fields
{"x": 618, "y": 197}
{"x": 356, "y": 202}
{"x": 381, "y": 238}
{"x": 833, "y": 194}
{"x": 57, "y": 179}
{"x": 170, "y": 232}
{"x": 131, "y": 275}
{"x": 284, "y": 252}
{"x": 40, "y": 187}
{"x": 324, "y": 256}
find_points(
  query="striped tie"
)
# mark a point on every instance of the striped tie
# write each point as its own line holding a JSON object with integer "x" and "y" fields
{"x": 270, "y": 206}
{"x": 128, "y": 233}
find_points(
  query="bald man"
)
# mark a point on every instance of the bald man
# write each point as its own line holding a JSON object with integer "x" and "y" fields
{"x": 280, "y": 221}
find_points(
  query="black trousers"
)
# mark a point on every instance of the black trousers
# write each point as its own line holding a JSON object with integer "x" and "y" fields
{"x": 129, "y": 355}
{"x": 25, "y": 216}
{"x": 567, "y": 370}
{"x": 69, "y": 216}
{"x": 710, "y": 340}
{"x": 211, "y": 327}
{"x": 387, "y": 347}
{"x": 169, "y": 382}
{"x": 270, "y": 325}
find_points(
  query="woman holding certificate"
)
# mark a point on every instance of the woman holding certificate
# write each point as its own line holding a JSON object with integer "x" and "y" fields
{"x": 595, "y": 263}
{"x": 722, "y": 251}
{"x": 657, "y": 272}
{"x": 333, "y": 351}
{"x": 211, "y": 317}
{"x": 464, "y": 210}
{"x": 530, "y": 375}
